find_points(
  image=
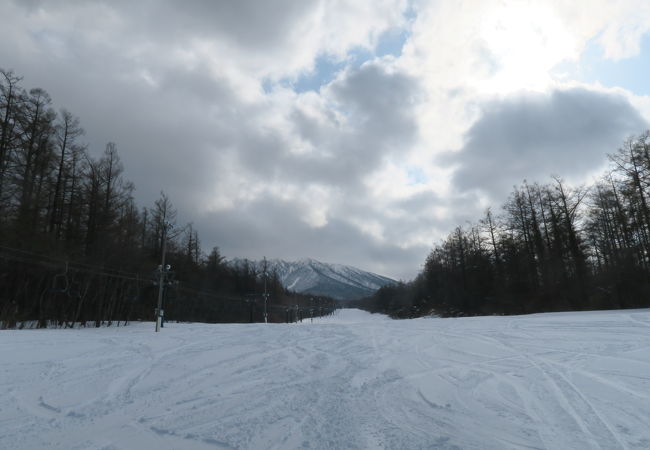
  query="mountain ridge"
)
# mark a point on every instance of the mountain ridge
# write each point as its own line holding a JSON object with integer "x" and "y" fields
{"x": 310, "y": 276}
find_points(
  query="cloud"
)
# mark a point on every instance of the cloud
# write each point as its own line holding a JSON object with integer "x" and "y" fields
{"x": 199, "y": 96}
{"x": 530, "y": 135}
{"x": 266, "y": 225}
{"x": 335, "y": 139}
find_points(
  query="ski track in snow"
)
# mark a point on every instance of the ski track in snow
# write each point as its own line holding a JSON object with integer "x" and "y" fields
{"x": 351, "y": 381}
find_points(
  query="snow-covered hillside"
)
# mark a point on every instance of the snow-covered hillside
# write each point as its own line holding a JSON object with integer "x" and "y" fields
{"x": 353, "y": 381}
{"x": 314, "y": 277}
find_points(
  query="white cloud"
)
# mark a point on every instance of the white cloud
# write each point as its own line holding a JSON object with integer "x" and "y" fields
{"x": 179, "y": 86}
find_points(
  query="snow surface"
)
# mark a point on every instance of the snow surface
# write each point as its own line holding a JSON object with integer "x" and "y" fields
{"x": 355, "y": 380}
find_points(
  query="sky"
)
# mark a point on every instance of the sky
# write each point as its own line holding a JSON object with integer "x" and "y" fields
{"x": 356, "y": 132}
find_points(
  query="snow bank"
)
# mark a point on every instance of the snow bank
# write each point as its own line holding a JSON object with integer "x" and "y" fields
{"x": 354, "y": 380}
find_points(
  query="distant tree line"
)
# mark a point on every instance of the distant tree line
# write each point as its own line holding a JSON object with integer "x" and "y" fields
{"x": 75, "y": 248}
{"x": 552, "y": 247}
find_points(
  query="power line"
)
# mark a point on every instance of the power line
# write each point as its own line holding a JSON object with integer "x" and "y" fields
{"x": 38, "y": 258}
{"x": 52, "y": 262}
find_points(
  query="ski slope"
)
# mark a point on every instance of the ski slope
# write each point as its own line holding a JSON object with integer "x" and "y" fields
{"x": 352, "y": 381}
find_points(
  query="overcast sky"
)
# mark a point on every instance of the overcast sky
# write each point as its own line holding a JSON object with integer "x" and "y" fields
{"x": 357, "y": 132}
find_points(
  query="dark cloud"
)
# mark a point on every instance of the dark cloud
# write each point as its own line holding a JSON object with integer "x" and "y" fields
{"x": 422, "y": 201}
{"x": 248, "y": 24}
{"x": 379, "y": 120}
{"x": 179, "y": 128}
{"x": 378, "y": 109}
{"x": 379, "y": 102}
{"x": 424, "y": 214}
{"x": 566, "y": 132}
{"x": 272, "y": 227}
{"x": 194, "y": 121}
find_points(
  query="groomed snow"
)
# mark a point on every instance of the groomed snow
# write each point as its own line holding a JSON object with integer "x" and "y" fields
{"x": 554, "y": 381}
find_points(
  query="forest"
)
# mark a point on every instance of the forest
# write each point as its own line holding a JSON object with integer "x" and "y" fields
{"x": 76, "y": 249}
{"x": 551, "y": 247}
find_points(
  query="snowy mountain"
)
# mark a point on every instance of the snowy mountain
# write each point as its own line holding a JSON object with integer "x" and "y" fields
{"x": 314, "y": 277}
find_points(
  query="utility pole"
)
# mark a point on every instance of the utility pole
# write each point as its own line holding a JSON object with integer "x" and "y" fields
{"x": 161, "y": 280}
{"x": 266, "y": 300}
{"x": 266, "y": 294}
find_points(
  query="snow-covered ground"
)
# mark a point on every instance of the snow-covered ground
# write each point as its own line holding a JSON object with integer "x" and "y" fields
{"x": 555, "y": 381}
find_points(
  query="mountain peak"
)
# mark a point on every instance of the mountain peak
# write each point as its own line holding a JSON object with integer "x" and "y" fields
{"x": 311, "y": 276}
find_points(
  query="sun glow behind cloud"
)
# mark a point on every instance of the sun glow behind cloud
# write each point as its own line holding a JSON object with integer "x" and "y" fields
{"x": 324, "y": 115}
{"x": 525, "y": 43}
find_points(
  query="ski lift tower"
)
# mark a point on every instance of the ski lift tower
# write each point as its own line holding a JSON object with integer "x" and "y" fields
{"x": 162, "y": 272}
{"x": 266, "y": 294}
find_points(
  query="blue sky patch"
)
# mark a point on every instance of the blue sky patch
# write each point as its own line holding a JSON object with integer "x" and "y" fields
{"x": 416, "y": 176}
{"x": 327, "y": 67}
{"x": 325, "y": 70}
{"x": 391, "y": 42}
{"x": 629, "y": 73}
